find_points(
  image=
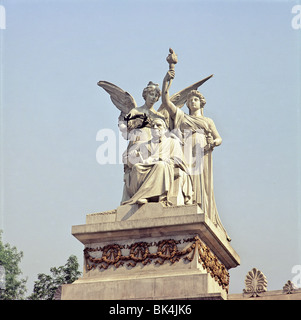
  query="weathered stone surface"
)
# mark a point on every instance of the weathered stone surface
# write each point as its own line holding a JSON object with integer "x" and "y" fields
{"x": 171, "y": 252}
{"x": 188, "y": 286}
{"x": 268, "y": 295}
{"x": 155, "y": 220}
{"x": 166, "y": 240}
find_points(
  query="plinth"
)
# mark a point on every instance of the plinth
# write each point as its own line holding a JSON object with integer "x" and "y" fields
{"x": 152, "y": 252}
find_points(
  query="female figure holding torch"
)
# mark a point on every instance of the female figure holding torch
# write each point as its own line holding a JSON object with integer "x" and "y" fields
{"x": 199, "y": 136}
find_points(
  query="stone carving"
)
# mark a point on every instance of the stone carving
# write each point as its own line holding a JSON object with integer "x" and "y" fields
{"x": 160, "y": 252}
{"x": 289, "y": 287}
{"x": 182, "y": 173}
{"x": 256, "y": 283}
{"x": 152, "y": 167}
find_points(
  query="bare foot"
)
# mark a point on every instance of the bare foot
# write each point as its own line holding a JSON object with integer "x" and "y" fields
{"x": 142, "y": 201}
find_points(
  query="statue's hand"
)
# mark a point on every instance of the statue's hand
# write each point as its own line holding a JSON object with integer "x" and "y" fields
{"x": 148, "y": 161}
{"x": 208, "y": 147}
{"x": 134, "y": 153}
{"x": 170, "y": 75}
{"x": 210, "y": 140}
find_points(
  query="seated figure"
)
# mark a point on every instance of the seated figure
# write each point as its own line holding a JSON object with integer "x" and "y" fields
{"x": 157, "y": 170}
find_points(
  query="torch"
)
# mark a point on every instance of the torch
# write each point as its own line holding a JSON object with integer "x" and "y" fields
{"x": 172, "y": 59}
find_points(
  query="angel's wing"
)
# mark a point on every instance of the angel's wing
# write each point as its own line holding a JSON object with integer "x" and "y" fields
{"x": 180, "y": 98}
{"x": 121, "y": 99}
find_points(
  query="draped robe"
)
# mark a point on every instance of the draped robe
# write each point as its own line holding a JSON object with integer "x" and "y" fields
{"x": 151, "y": 170}
{"x": 193, "y": 131}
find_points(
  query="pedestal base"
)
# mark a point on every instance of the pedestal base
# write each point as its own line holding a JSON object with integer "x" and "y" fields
{"x": 165, "y": 287}
{"x": 152, "y": 252}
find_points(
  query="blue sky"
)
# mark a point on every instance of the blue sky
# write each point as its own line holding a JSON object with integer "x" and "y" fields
{"x": 54, "y": 52}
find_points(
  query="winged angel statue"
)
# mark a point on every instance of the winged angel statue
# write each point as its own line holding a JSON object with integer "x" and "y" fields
{"x": 169, "y": 154}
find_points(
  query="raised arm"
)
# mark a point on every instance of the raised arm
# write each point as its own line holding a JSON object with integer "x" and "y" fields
{"x": 171, "y": 108}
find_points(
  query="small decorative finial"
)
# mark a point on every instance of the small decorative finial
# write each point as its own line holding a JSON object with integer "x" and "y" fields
{"x": 289, "y": 287}
{"x": 255, "y": 282}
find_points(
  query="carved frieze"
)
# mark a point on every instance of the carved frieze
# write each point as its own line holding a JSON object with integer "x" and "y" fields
{"x": 164, "y": 251}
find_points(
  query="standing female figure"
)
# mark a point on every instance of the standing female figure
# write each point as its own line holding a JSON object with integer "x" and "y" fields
{"x": 199, "y": 136}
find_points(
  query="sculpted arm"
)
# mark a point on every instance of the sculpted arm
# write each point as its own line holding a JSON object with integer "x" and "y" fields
{"x": 171, "y": 108}
{"x": 216, "y": 139}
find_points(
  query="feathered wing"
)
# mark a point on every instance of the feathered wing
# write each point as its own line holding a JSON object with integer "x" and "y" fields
{"x": 180, "y": 98}
{"x": 121, "y": 99}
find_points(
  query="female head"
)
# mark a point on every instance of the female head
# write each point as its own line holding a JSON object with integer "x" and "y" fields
{"x": 151, "y": 93}
{"x": 195, "y": 101}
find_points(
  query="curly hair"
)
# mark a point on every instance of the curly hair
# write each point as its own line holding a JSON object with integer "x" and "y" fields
{"x": 196, "y": 93}
{"x": 151, "y": 87}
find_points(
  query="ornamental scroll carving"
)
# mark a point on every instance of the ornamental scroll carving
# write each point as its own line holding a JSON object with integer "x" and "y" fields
{"x": 256, "y": 283}
{"x": 289, "y": 287}
{"x": 166, "y": 251}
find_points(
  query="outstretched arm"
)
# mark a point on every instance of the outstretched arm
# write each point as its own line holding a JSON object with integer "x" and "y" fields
{"x": 171, "y": 108}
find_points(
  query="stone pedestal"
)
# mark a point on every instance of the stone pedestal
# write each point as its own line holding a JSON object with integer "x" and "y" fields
{"x": 152, "y": 252}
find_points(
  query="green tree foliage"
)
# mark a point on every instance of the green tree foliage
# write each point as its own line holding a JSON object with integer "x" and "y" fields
{"x": 46, "y": 285}
{"x": 13, "y": 288}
